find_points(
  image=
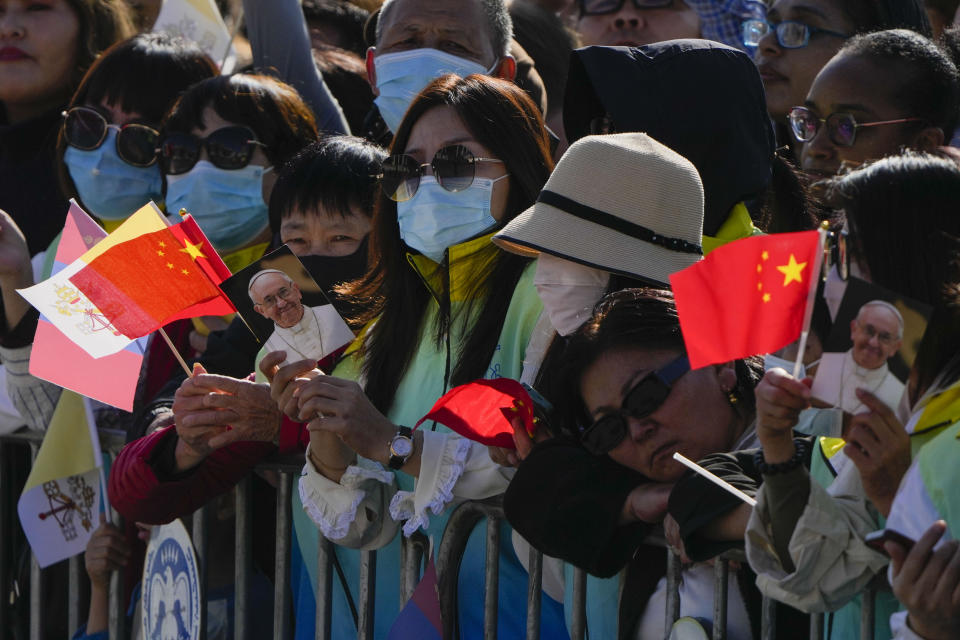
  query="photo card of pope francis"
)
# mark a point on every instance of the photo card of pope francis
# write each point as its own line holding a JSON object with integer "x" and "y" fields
{"x": 872, "y": 345}
{"x": 286, "y": 309}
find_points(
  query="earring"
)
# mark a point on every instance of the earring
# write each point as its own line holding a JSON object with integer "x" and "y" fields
{"x": 732, "y": 398}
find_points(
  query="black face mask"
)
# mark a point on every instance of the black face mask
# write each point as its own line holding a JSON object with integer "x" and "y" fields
{"x": 330, "y": 271}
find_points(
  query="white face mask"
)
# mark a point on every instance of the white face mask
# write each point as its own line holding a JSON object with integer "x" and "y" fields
{"x": 568, "y": 291}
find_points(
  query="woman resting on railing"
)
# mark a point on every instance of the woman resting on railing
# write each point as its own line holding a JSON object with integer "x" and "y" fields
{"x": 623, "y": 388}
{"x": 805, "y": 539}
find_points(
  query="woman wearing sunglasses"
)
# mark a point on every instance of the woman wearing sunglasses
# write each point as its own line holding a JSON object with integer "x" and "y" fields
{"x": 883, "y": 92}
{"x": 798, "y": 37}
{"x": 623, "y": 390}
{"x": 806, "y": 536}
{"x": 448, "y": 307}
{"x": 45, "y": 48}
{"x": 221, "y": 142}
{"x": 109, "y": 138}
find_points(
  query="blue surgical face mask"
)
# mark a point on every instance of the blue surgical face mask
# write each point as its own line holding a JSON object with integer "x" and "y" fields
{"x": 227, "y": 204}
{"x": 401, "y": 76}
{"x": 435, "y": 219}
{"x": 109, "y": 187}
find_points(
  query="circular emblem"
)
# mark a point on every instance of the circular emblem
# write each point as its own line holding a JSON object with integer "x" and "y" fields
{"x": 171, "y": 586}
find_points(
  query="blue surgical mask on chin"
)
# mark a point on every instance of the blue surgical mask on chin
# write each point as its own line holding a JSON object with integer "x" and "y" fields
{"x": 401, "y": 76}
{"x": 109, "y": 187}
{"x": 435, "y": 219}
{"x": 226, "y": 203}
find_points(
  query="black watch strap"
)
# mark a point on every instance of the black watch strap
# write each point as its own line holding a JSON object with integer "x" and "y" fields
{"x": 396, "y": 461}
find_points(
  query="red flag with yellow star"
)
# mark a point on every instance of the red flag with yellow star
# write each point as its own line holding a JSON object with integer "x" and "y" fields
{"x": 145, "y": 274}
{"x": 747, "y": 297}
{"x": 201, "y": 250}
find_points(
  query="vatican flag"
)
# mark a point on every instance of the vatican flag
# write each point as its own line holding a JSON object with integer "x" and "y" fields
{"x": 199, "y": 21}
{"x": 60, "y": 501}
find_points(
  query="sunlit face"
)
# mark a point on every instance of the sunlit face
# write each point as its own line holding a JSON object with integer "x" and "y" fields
{"x": 696, "y": 419}
{"x": 441, "y": 127}
{"x": 788, "y": 73}
{"x": 876, "y": 336}
{"x": 457, "y": 27}
{"x": 633, "y": 27}
{"x": 276, "y": 298}
{"x": 324, "y": 233}
{"x": 867, "y": 90}
{"x": 38, "y": 51}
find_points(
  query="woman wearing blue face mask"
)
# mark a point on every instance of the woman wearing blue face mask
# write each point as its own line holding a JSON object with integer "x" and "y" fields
{"x": 109, "y": 138}
{"x": 447, "y": 307}
{"x": 221, "y": 142}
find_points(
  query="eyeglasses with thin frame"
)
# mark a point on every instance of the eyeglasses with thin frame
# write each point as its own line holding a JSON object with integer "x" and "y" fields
{"x": 229, "y": 147}
{"x": 790, "y": 34}
{"x": 270, "y": 301}
{"x": 604, "y": 7}
{"x": 86, "y": 129}
{"x": 640, "y": 401}
{"x": 841, "y": 127}
{"x": 454, "y": 168}
{"x": 884, "y": 338}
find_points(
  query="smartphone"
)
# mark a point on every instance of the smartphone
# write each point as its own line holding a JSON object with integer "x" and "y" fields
{"x": 875, "y": 540}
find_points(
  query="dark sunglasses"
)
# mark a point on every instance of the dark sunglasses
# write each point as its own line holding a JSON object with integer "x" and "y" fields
{"x": 228, "y": 148}
{"x": 603, "y": 7}
{"x": 86, "y": 129}
{"x": 454, "y": 168}
{"x": 640, "y": 401}
{"x": 790, "y": 33}
{"x": 841, "y": 127}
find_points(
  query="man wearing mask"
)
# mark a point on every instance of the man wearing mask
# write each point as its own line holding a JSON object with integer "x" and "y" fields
{"x": 420, "y": 40}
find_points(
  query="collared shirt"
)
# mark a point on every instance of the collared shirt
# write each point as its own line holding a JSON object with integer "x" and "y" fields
{"x": 319, "y": 332}
{"x": 845, "y": 376}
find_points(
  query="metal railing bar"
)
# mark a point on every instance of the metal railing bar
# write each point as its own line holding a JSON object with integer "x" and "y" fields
{"x": 534, "y": 594}
{"x": 491, "y": 587}
{"x": 243, "y": 561}
{"x": 36, "y": 578}
{"x": 867, "y": 606}
{"x": 201, "y": 540}
{"x": 674, "y": 567}
{"x": 117, "y": 616}
{"x": 578, "y": 624}
{"x": 5, "y": 573}
{"x": 816, "y": 626}
{"x": 368, "y": 581}
{"x": 281, "y": 577}
{"x": 721, "y": 573}
{"x": 325, "y": 551}
{"x": 768, "y": 619}
{"x": 74, "y": 615}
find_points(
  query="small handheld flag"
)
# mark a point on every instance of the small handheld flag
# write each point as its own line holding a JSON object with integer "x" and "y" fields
{"x": 747, "y": 297}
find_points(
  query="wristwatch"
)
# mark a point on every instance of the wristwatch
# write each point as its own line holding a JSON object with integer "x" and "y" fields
{"x": 401, "y": 447}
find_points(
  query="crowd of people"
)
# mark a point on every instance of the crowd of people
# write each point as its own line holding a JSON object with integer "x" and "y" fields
{"x": 503, "y": 189}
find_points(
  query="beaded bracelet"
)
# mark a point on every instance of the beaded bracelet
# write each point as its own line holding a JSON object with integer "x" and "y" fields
{"x": 767, "y": 469}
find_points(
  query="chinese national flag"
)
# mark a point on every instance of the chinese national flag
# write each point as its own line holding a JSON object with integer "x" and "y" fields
{"x": 212, "y": 265}
{"x": 482, "y": 410}
{"x": 147, "y": 279}
{"x": 747, "y": 297}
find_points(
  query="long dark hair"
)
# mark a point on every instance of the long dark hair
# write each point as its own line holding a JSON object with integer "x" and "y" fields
{"x": 643, "y": 318}
{"x": 503, "y": 119}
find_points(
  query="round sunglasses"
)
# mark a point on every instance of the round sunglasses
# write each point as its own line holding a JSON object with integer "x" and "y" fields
{"x": 454, "y": 168}
{"x": 86, "y": 129}
{"x": 841, "y": 127}
{"x": 605, "y": 7}
{"x": 790, "y": 33}
{"x": 228, "y": 148}
{"x": 640, "y": 401}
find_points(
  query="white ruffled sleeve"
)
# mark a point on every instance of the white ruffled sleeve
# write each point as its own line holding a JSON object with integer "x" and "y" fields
{"x": 451, "y": 468}
{"x": 351, "y": 512}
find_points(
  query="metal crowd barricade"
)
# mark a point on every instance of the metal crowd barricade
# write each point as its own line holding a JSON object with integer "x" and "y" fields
{"x": 462, "y": 522}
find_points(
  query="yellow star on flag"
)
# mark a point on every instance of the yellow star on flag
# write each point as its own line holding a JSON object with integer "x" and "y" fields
{"x": 184, "y": 272}
{"x": 765, "y": 255}
{"x": 162, "y": 243}
{"x": 159, "y": 252}
{"x": 169, "y": 265}
{"x": 766, "y": 297}
{"x": 792, "y": 271}
{"x": 193, "y": 250}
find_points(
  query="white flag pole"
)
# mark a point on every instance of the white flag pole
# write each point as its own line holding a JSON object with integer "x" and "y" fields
{"x": 720, "y": 482}
{"x": 811, "y": 298}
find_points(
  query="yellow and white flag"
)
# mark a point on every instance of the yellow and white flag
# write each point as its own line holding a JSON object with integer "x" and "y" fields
{"x": 59, "y": 504}
{"x": 196, "y": 20}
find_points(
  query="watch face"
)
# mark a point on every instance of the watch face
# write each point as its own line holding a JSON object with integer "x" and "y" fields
{"x": 402, "y": 446}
